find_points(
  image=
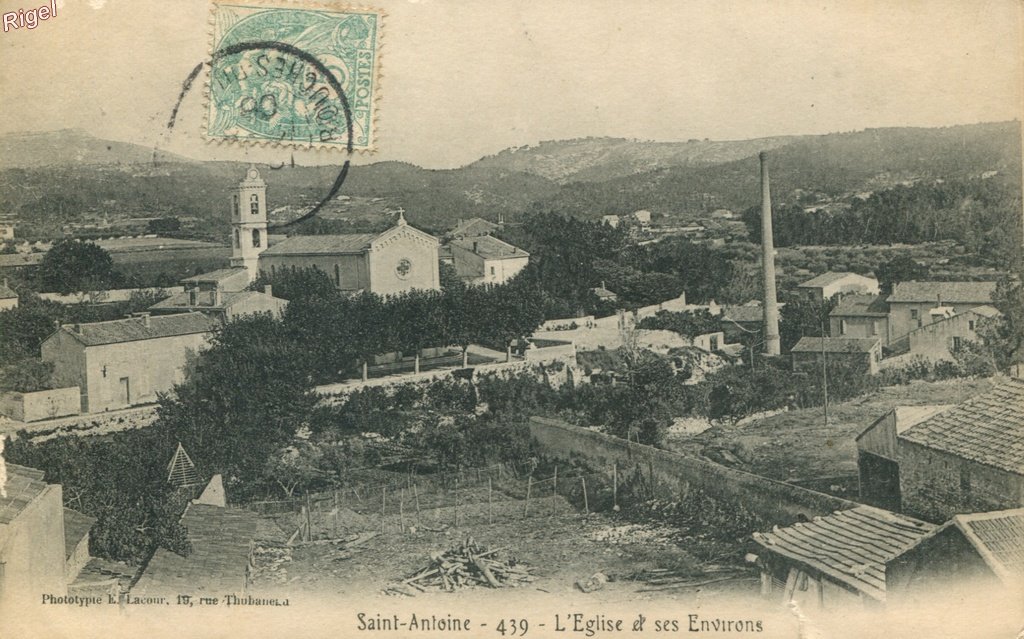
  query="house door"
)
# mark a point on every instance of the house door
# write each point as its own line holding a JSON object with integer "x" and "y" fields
{"x": 125, "y": 392}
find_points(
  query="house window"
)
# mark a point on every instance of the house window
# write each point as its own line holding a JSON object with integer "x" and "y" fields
{"x": 970, "y": 324}
{"x": 842, "y": 327}
{"x": 875, "y": 328}
{"x": 965, "y": 479}
{"x": 957, "y": 343}
{"x": 254, "y": 204}
{"x": 492, "y": 270}
{"x": 256, "y": 238}
{"x": 913, "y": 314}
{"x": 337, "y": 275}
{"x": 237, "y": 211}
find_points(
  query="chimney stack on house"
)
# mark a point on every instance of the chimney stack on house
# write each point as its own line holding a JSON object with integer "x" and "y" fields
{"x": 268, "y": 289}
{"x": 771, "y": 304}
{"x": 475, "y": 247}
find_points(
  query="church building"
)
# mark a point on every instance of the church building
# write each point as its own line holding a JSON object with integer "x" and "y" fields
{"x": 399, "y": 259}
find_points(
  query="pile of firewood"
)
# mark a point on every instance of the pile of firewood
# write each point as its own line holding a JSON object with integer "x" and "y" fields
{"x": 466, "y": 566}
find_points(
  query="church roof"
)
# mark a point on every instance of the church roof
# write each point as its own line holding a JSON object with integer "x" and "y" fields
{"x": 140, "y": 328}
{"x": 322, "y": 244}
{"x": 948, "y": 292}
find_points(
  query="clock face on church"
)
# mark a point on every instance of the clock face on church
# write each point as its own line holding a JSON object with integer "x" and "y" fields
{"x": 253, "y": 174}
{"x": 404, "y": 268}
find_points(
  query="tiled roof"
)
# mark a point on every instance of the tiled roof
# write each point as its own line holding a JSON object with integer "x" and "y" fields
{"x": 140, "y": 328}
{"x": 215, "y": 276}
{"x": 829, "y": 277}
{"x": 988, "y": 428}
{"x": 23, "y": 486}
{"x": 999, "y": 539}
{"x": 743, "y": 314}
{"x": 322, "y": 244}
{"x": 949, "y": 292}
{"x": 473, "y": 226}
{"x": 76, "y": 526}
{"x": 861, "y": 305}
{"x": 6, "y": 293}
{"x": 849, "y": 546}
{"x": 835, "y": 344}
{"x": 181, "y": 301}
{"x": 220, "y": 540}
{"x": 489, "y": 248}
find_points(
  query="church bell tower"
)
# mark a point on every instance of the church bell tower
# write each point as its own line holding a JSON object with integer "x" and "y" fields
{"x": 249, "y": 222}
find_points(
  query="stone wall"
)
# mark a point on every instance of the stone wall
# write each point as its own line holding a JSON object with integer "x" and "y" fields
{"x": 675, "y": 474}
{"x": 48, "y": 404}
{"x": 935, "y": 485}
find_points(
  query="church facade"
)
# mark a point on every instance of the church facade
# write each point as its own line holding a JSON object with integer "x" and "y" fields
{"x": 399, "y": 259}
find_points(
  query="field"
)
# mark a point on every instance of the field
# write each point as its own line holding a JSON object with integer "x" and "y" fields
{"x": 798, "y": 445}
{"x": 559, "y": 550}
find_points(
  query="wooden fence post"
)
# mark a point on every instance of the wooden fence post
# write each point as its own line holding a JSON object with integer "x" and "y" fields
{"x": 383, "y": 505}
{"x": 456, "y": 502}
{"x": 529, "y": 486}
{"x": 586, "y": 505}
{"x": 401, "y": 510}
{"x": 416, "y": 496}
{"x": 554, "y": 489}
{"x": 490, "y": 515}
{"x": 615, "y": 485}
{"x": 309, "y": 520}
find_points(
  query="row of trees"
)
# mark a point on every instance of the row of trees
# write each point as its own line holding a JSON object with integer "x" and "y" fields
{"x": 981, "y": 215}
{"x": 336, "y": 332}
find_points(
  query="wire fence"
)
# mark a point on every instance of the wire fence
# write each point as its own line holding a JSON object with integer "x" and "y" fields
{"x": 469, "y": 497}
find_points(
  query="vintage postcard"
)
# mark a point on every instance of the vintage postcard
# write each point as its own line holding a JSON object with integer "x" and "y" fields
{"x": 550, "y": 319}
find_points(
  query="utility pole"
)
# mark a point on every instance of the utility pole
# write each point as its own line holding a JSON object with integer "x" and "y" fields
{"x": 824, "y": 371}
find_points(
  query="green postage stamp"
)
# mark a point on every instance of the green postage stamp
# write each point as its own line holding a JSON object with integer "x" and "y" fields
{"x": 293, "y": 74}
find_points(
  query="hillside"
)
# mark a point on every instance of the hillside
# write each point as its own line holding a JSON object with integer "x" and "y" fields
{"x": 599, "y": 159}
{"x": 71, "y": 147}
{"x": 833, "y": 164}
{"x": 100, "y": 179}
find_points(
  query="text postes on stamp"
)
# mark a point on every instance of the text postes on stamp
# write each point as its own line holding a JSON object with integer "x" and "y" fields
{"x": 276, "y": 72}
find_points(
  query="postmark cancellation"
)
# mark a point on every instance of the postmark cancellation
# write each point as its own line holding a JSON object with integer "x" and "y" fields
{"x": 293, "y": 74}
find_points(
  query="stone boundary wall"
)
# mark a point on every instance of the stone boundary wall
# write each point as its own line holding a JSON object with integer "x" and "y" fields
{"x": 47, "y": 404}
{"x": 776, "y": 502}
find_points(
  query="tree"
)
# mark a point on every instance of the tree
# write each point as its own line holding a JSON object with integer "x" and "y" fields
{"x": 297, "y": 285}
{"x": 901, "y": 268}
{"x": 418, "y": 318}
{"x": 164, "y": 225}
{"x": 73, "y": 265}
{"x": 23, "y": 328}
{"x": 242, "y": 401}
{"x": 26, "y": 376}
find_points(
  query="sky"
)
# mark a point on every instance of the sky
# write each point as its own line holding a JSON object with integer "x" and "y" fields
{"x": 465, "y": 78}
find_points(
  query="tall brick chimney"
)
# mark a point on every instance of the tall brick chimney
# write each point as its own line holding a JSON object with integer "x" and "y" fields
{"x": 771, "y": 305}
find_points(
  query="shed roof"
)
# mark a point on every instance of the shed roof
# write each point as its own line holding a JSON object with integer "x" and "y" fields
{"x": 76, "y": 526}
{"x": 220, "y": 539}
{"x": 140, "y": 328}
{"x": 861, "y": 306}
{"x": 23, "y": 486}
{"x": 949, "y": 292}
{"x": 835, "y": 344}
{"x": 988, "y": 428}
{"x": 849, "y": 546}
{"x": 999, "y": 539}
{"x": 352, "y": 243}
{"x": 830, "y": 277}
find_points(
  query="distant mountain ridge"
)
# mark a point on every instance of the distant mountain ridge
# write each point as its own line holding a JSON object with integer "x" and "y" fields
{"x": 77, "y": 175}
{"x": 598, "y": 159}
{"x": 72, "y": 146}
